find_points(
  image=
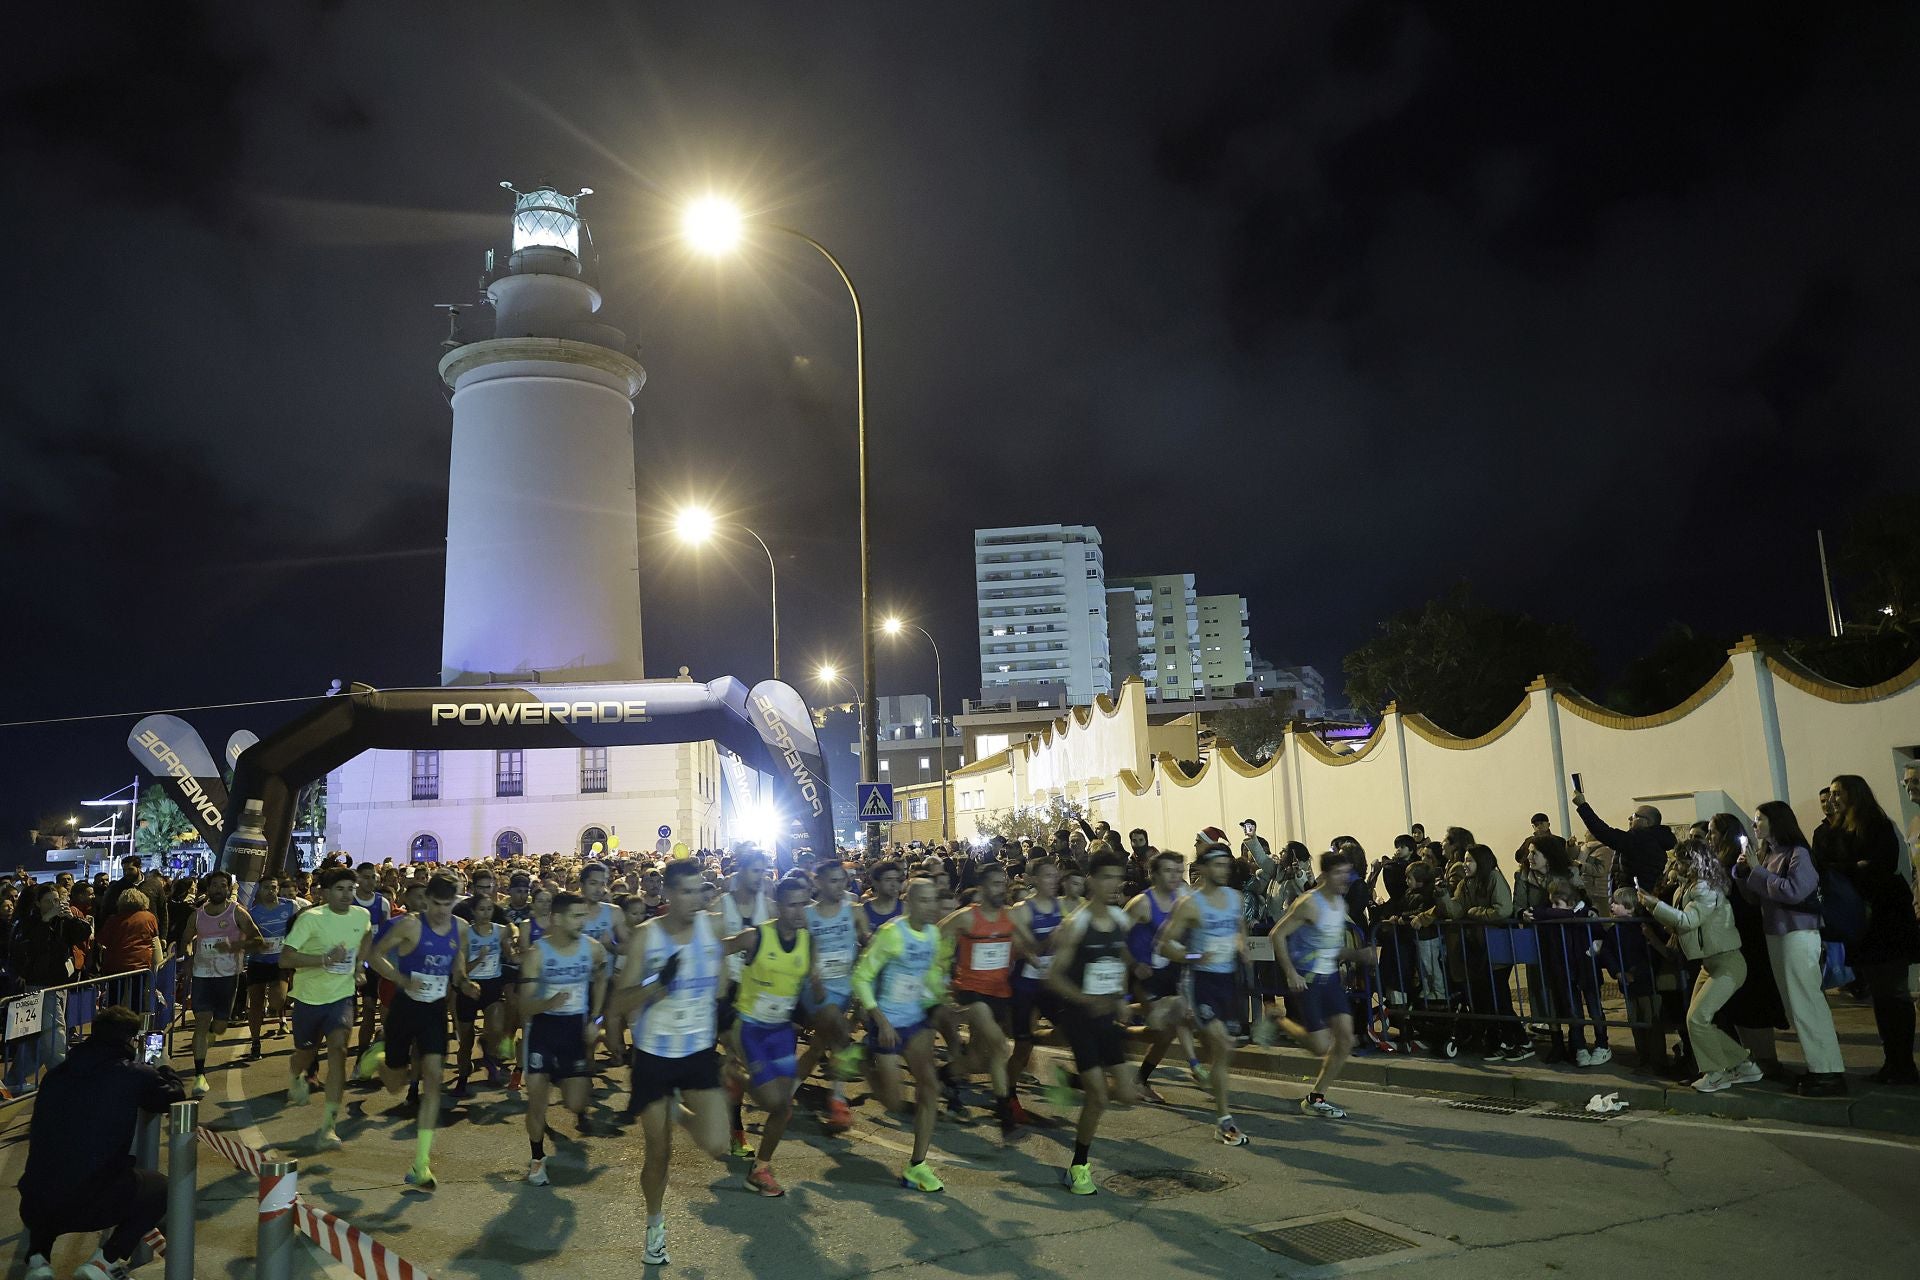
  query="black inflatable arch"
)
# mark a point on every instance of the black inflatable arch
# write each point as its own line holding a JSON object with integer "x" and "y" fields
{"x": 769, "y": 727}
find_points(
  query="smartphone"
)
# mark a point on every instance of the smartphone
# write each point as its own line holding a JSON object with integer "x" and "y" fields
{"x": 1578, "y": 789}
{"x": 154, "y": 1049}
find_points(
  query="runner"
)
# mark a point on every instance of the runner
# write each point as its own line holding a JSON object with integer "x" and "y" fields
{"x": 379, "y": 908}
{"x": 900, "y": 975}
{"x": 325, "y": 949}
{"x": 1073, "y": 887}
{"x": 1317, "y": 1011}
{"x": 1208, "y": 930}
{"x": 1039, "y": 914}
{"x": 607, "y": 925}
{"x": 780, "y": 964}
{"x": 219, "y": 933}
{"x": 266, "y": 981}
{"x": 882, "y": 901}
{"x": 1157, "y": 979}
{"x": 746, "y": 904}
{"x": 490, "y": 941}
{"x": 1089, "y": 977}
{"x": 671, "y": 984}
{"x": 564, "y": 989}
{"x": 424, "y": 956}
{"x": 837, "y": 930}
{"x": 983, "y": 937}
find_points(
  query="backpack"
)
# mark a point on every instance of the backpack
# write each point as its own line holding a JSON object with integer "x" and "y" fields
{"x": 1843, "y": 912}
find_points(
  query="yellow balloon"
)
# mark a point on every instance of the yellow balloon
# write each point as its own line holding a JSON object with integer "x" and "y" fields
{"x": 681, "y": 850}
{"x": 598, "y": 847}
{"x": 613, "y": 842}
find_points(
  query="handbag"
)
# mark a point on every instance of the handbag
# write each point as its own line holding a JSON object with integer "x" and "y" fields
{"x": 1843, "y": 912}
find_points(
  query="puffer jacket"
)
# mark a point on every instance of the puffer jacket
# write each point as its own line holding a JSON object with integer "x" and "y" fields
{"x": 1703, "y": 921}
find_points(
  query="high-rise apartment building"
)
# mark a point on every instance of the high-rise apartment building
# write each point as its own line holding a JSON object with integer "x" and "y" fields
{"x": 1175, "y": 617}
{"x": 1130, "y": 637}
{"x": 1226, "y": 649}
{"x": 1041, "y": 594}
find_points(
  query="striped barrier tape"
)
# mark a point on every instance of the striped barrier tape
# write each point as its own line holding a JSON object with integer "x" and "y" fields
{"x": 156, "y": 1242}
{"x": 347, "y": 1243}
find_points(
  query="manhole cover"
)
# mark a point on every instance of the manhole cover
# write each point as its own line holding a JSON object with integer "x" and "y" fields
{"x": 1494, "y": 1106}
{"x": 1330, "y": 1240}
{"x": 1158, "y": 1184}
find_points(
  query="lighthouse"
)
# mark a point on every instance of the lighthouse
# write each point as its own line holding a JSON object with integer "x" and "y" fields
{"x": 542, "y": 523}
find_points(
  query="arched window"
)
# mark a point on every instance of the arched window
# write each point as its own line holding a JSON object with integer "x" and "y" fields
{"x": 509, "y": 844}
{"x": 590, "y": 837}
{"x": 425, "y": 848}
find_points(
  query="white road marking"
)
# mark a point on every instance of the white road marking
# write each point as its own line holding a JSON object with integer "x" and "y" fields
{"x": 904, "y": 1148}
{"x": 1739, "y": 1126}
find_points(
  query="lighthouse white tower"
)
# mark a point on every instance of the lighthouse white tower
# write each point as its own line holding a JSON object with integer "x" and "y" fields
{"x": 542, "y": 524}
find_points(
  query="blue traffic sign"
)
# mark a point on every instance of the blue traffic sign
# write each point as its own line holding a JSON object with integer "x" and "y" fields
{"x": 876, "y": 801}
{"x": 665, "y": 831}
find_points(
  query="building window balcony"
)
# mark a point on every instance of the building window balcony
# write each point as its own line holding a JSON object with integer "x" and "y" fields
{"x": 509, "y": 773}
{"x": 425, "y": 771}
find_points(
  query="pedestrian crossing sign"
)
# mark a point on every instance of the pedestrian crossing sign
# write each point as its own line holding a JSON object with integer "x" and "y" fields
{"x": 876, "y": 801}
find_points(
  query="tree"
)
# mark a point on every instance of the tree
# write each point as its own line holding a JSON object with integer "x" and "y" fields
{"x": 1877, "y": 558}
{"x": 158, "y": 822}
{"x": 1680, "y": 661}
{"x": 1463, "y": 665}
{"x": 1032, "y": 822}
{"x": 1255, "y": 730}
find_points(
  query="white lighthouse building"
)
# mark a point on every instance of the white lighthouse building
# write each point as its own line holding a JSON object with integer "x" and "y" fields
{"x": 542, "y": 582}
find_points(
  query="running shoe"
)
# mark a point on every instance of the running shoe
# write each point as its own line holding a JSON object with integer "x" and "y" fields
{"x": 508, "y": 1049}
{"x": 1198, "y": 1074}
{"x": 921, "y": 1178}
{"x": 1747, "y": 1072}
{"x": 1229, "y": 1133}
{"x": 98, "y": 1268}
{"x": 1150, "y": 1094}
{"x": 255, "y": 1054}
{"x": 537, "y": 1172}
{"x": 656, "y": 1254}
{"x": 739, "y": 1145}
{"x": 299, "y": 1092}
{"x": 200, "y": 1087}
{"x": 1316, "y": 1104}
{"x": 1583, "y": 1058}
{"x": 369, "y": 1065}
{"x": 956, "y": 1106}
{"x": 459, "y": 1089}
{"x": 1265, "y": 1032}
{"x": 514, "y": 1081}
{"x": 839, "y": 1117}
{"x": 847, "y": 1062}
{"x": 1602, "y": 1055}
{"x": 1023, "y": 1116}
{"x": 38, "y": 1268}
{"x": 1060, "y": 1092}
{"x": 328, "y": 1139}
{"x": 420, "y": 1176}
{"x": 1713, "y": 1082}
{"x": 1079, "y": 1180}
{"x": 760, "y": 1178}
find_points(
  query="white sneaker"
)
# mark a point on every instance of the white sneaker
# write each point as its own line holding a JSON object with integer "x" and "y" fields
{"x": 1583, "y": 1058}
{"x": 98, "y": 1268}
{"x": 38, "y": 1268}
{"x": 1713, "y": 1082}
{"x": 1602, "y": 1055}
{"x": 656, "y": 1254}
{"x": 537, "y": 1172}
{"x": 299, "y": 1092}
{"x": 1746, "y": 1073}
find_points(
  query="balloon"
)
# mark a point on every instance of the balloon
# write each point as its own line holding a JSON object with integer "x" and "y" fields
{"x": 598, "y": 848}
{"x": 680, "y": 850}
{"x": 613, "y": 841}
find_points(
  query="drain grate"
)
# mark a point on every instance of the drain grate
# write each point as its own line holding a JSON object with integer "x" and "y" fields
{"x": 1158, "y": 1184}
{"x": 1583, "y": 1117}
{"x": 1331, "y": 1240}
{"x": 1494, "y": 1106}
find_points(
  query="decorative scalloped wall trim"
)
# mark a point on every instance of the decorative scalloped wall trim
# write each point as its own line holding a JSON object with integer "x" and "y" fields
{"x": 1431, "y": 732}
{"x": 1808, "y": 681}
{"x": 1327, "y": 755}
{"x": 1587, "y": 709}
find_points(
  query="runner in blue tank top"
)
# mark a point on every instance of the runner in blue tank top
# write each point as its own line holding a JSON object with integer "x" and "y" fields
{"x": 424, "y": 955}
{"x": 882, "y": 902}
{"x": 1040, "y": 915}
{"x": 1209, "y": 931}
{"x": 1156, "y": 979}
{"x": 266, "y": 981}
{"x": 674, "y": 973}
{"x": 838, "y": 927}
{"x": 563, "y": 981}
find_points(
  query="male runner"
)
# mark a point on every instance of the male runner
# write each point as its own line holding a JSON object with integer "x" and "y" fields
{"x": 325, "y": 949}
{"x": 780, "y": 964}
{"x": 1039, "y": 914}
{"x": 424, "y": 956}
{"x": 837, "y": 929}
{"x": 564, "y": 989}
{"x": 746, "y": 904}
{"x": 671, "y": 983}
{"x": 1317, "y": 1011}
{"x": 489, "y": 941}
{"x": 607, "y": 925}
{"x": 266, "y": 981}
{"x": 379, "y": 908}
{"x": 899, "y": 976}
{"x": 1073, "y": 886}
{"x": 217, "y": 936}
{"x": 1157, "y": 979}
{"x": 882, "y": 901}
{"x": 983, "y": 937}
{"x": 1089, "y": 977}
{"x": 1208, "y": 930}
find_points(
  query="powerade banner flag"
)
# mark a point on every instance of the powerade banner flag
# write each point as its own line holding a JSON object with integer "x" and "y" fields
{"x": 170, "y": 749}
{"x": 240, "y": 741}
{"x": 770, "y": 728}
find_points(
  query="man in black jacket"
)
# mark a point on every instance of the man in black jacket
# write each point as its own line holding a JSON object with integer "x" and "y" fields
{"x": 130, "y": 878}
{"x": 1640, "y": 851}
{"x": 80, "y": 1175}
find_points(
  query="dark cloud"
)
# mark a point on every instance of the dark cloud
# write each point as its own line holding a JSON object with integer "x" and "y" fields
{"x": 1331, "y": 307}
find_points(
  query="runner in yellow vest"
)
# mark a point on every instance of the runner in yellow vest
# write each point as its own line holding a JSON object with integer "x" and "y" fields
{"x": 779, "y": 964}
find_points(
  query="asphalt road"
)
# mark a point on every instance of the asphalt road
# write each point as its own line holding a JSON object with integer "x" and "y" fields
{"x": 1456, "y": 1192}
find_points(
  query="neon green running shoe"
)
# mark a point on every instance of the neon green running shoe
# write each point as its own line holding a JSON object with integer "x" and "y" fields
{"x": 369, "y": 1066}
{"x": 921, "y": 1178}
{"x": 848, "y": 1062}
{"x": 1079, "y": 1180}
{"x": 1059, "y": 1094}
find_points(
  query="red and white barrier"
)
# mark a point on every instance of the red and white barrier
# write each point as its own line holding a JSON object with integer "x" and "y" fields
{"x": 156, "y": 1242}
{"x": 279, "y": 1194}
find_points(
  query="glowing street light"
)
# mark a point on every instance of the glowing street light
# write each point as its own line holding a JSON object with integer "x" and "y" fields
{"x": 893, "y": 627}
{"x": 715, "y": 226}
{"x": 695, "y": 526}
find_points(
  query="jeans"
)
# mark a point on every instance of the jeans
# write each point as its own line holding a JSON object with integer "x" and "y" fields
{"x": 129, "y": 1203}
{"x": 35, "y": 1055}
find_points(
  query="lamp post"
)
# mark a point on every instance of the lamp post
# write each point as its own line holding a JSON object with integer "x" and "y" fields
{"x": 695, "y": 526}
{"x": 893, "y": 627}
{"x": 715, "y": 227}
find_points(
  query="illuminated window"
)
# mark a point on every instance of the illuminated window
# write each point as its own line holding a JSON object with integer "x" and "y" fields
{"x": 425, "y": 848}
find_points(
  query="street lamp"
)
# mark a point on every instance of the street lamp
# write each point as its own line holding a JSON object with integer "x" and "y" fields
{"x": 695, "y": 527}
{"x": 893, "y": 627}
{"x": 715, "y": 226}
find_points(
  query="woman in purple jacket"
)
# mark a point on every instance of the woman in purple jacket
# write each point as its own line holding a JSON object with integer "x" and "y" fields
{"x": 1777, "y": 871}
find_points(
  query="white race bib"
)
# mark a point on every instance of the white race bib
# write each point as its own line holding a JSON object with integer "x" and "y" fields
{"x": 338, "y": 966}
{"x": 572, "y": 1000}
{"x": 1036, "y": 967}
{"x": 210, "y": 948}
{"x": 903, "y": 988}
{"x": 771, "y": 1008}
{"x": 1220, "y": 950}
{"x": 988, "y": 956}
{"x": 1105, "y": 977}
{"x": 679, "y": 1016}
{"x": 832, "y": 967}
{"x": 489, "y": 967}
{"x": 429, "y": 987}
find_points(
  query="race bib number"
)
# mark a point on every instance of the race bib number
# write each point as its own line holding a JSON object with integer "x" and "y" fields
{"x": 339, "y": 966}
{"x": 572, "y": 1000}
{"x": 1036, "y": 967}
{"x": 210, "y": 949}
{"x": 680, "y": 1016}
{"x": 988, "y": 956}
{"x": 903, "y": 989}
{"x": 832, "y": 967}
{"x": 429, "y": 987}
{"x": 768, "y": 1007}
{"x": 1220, "y": 950}
{"x": 1105, "y": 977}
{"x": 489, "y": 967}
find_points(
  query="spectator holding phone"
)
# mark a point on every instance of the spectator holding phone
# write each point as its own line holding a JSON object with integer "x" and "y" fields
{"x": 1776, "y": 870}
{"x": 1640, "y": 851}
{"x": 1702, "y": 920}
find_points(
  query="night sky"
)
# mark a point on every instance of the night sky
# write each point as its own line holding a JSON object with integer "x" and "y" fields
{"x": 1605, "y": 312}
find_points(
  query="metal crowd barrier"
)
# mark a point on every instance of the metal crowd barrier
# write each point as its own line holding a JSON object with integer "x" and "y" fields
{"x": 40, "y": 1023}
